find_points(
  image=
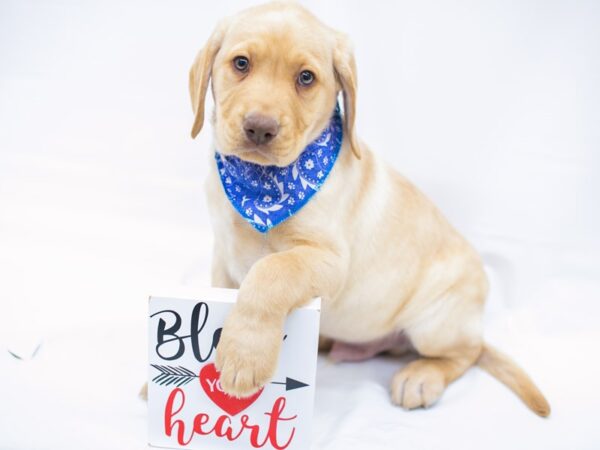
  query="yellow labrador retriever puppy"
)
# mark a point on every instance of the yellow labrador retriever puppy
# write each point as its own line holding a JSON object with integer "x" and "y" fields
{"x": 389, "y": 268}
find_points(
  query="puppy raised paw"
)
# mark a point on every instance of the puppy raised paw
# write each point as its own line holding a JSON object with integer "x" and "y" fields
{"x": 247, "y": 353}
{"x": 420, "y": 384}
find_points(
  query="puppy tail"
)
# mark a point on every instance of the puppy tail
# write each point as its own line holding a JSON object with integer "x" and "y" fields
{"x": 512, "y": 376}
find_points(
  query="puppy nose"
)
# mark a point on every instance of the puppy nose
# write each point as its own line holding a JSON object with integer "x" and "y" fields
{"x": 260, "y": 129}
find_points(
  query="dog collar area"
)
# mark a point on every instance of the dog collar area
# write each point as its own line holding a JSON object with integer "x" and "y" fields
{"x": 265, "y": 196}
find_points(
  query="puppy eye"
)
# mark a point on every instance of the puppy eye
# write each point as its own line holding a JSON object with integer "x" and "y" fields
{"x": 241, "y": 63}
{"x": 306, "y": 78}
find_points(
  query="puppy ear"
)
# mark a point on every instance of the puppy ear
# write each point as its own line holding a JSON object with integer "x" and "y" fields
{"x": 345, "y": 70}
{"x": 200, "y": 75}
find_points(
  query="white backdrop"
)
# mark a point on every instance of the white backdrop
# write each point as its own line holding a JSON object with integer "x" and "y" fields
{"x": 491, "y": 107}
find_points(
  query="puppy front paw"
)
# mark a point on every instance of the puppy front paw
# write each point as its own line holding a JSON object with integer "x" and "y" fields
{"x": 247, "y": 353}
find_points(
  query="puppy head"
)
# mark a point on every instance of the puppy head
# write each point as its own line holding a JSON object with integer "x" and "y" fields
{"x": 276, "y": 73}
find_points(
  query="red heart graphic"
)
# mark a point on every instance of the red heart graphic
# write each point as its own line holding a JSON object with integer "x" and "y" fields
{"x": 209, "y": 380}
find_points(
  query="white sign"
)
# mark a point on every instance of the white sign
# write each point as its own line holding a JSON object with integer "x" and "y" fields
{"x": 186, "y": 405}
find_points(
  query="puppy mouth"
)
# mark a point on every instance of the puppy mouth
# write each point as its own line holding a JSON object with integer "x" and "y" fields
{"x": 264, "y": 155}
{"x": 256, "y": 154}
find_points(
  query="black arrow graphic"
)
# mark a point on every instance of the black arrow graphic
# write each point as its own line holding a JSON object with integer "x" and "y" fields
{"x": 290, "y": 384}
{"x": 180, "y": 376}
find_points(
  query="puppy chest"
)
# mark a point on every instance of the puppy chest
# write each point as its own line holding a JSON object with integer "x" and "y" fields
{"x": 242, "y": 252}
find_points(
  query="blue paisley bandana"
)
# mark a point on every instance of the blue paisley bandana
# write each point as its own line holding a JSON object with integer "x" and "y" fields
{"x": 265, "y": 196}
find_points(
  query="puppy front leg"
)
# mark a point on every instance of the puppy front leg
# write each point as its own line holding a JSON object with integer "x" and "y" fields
{"x": 248, "y": 350}
{"x": 220, "y": 277}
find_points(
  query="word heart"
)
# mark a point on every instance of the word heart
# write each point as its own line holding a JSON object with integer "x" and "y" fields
{"x": 224, "y": 427}
{"x": 211, "y": 383}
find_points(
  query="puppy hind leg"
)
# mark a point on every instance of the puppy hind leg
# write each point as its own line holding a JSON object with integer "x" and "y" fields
{"x": 143, "y": 394}
{"x": 422, "y": 382}
{"x": 448, "y": 342}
